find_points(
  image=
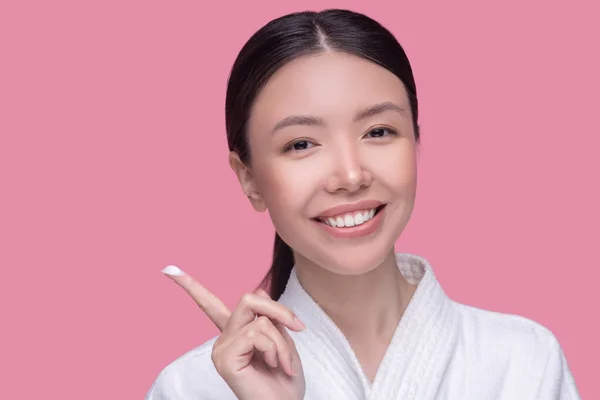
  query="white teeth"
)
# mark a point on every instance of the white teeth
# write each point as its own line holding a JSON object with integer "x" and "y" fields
{"x": 358, "y": 219}
{"x": 349, "y": 220}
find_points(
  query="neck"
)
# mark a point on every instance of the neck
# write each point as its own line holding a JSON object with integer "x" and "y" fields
{"x": 365, "y": 307}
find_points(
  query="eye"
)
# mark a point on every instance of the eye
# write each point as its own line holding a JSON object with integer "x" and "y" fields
{"x": 299, "y": 145}
{"x": 378, "y": 133}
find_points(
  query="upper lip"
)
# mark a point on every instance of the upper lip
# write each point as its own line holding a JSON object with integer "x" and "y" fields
{"x": 350, "y": 207}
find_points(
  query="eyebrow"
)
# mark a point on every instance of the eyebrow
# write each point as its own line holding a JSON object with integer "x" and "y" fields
{"x": 365, "y": 113}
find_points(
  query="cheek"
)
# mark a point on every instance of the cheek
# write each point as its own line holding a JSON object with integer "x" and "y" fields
{"x": 286, "y": 189}
{"x": 397, "y": 170}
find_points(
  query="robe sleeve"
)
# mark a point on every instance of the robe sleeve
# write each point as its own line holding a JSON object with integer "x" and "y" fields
{"x": 190, "y": 378}
{"x": 557, "y": 382}
{"x": 160, "y": 390}
{"x": 169, "y": 386}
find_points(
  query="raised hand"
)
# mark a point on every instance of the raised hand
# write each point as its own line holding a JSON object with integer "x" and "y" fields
{"x": 254, "y": 353}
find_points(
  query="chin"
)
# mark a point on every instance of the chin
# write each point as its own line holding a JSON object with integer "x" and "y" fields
{"x": 353, "y": 261}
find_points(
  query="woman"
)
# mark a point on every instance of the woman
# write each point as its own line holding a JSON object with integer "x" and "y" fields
{"x": 321, "y": 116}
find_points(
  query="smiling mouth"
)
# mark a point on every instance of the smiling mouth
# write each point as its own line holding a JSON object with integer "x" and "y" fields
{"x": 349, "y": 220}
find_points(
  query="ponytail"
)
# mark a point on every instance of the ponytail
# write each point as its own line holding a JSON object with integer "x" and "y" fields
{"x": 283, "y": 261}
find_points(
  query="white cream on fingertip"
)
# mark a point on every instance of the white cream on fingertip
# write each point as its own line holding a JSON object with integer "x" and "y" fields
{"x": 173, "y": 271}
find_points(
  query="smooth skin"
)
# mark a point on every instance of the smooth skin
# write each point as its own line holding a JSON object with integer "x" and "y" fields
{"x": 346, "y": 154}
{"x": 254, "y": 353}
{"x": 337, "y": 153}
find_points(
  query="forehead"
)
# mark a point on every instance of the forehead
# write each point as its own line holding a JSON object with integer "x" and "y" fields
{"x": 330, "y": 85}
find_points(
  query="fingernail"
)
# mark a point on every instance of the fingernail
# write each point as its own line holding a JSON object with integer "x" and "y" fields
{"x": 299, "y": 323}
{"x": 172, "y": 270}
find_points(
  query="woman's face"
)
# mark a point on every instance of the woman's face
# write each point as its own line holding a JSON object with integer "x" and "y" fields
{"x": 326, "y": 131}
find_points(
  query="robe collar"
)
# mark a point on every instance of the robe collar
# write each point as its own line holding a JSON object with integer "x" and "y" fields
{"x": 418, "y": 349}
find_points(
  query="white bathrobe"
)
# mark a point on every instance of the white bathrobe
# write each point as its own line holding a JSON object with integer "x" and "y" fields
{"x": 440, "y": 350}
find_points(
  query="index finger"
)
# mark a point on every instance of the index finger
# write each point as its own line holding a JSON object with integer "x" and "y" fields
{"x": 212, "y": 306}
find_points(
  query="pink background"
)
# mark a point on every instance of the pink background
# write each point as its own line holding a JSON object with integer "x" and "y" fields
{"x": 113, "y": 164}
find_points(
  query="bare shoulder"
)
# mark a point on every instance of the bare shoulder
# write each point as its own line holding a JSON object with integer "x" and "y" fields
{"x": 191, "y": 376}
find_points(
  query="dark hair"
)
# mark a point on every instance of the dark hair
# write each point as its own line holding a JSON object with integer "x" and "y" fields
{"x": 283, "y": 40}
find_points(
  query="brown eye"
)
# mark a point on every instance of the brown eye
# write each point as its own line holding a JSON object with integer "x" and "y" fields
{"x": 302, "y": 145}
{"x": 378, "y": 133}
{"x": 299, "y": 145}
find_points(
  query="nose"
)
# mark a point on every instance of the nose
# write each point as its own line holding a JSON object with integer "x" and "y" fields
{"x": 348, "y": 172}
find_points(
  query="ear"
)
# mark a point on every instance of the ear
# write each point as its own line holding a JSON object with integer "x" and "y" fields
{"x": 247, "y": 181}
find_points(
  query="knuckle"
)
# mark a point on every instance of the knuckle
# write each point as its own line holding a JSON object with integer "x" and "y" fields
{"x": 247, "y": 297}
{"x": 263, "y": 321}
{"x": 289, "y": 314}
{"x": 250, "y": 333}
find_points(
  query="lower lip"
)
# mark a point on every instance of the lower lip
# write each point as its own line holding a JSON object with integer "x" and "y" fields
{"x": 364, "y": 229}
